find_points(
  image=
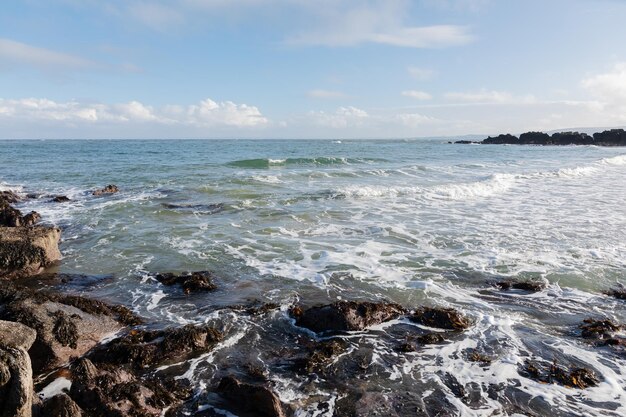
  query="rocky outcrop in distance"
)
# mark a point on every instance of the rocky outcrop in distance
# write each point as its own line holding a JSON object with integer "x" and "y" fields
{"x": 613, "y": 137}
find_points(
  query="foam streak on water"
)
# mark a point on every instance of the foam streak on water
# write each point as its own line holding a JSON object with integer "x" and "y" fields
{"x": 415, "y": 222}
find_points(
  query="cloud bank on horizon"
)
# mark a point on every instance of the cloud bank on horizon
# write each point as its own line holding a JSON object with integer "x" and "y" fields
{"x": 302, "y": 69}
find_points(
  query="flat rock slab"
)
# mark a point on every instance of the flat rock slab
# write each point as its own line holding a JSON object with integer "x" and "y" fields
{"x": 16, "y": 335}
{"x": 28, "y": 250}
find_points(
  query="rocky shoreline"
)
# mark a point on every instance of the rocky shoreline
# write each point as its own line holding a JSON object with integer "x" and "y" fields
{"x": 97, "y": 359}
{"x": 613, "y": 137}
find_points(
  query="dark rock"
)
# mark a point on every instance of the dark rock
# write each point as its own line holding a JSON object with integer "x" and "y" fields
{"x": 107, "y": 391}
{"x": 476, "y": 356}
{"x": 248, "y": 400}
{"x": 442, "y": 318}
{"x": 60, "y": 199}
{"x": 61, "y": 406}
{"x": 16, "y": 377}
{"x": 570, "y": 138}
{"x": 109, "y": 189}
{"x": 619, "y": 293}
{"x": 194, "y": 282}
{"x": 534, "y": 138}
{"x": 324, "y": 353}
{"x": 8, "y": 197}
{"x": 555, "y": 374}
{"x": 530, "y": 286}
{"x": 507, "y": 139}
{"x": 346, "y": 315}
{"x": 140, "y": 348}
{"x": 27, "y": 251}
{"x": 598, "y": 329}
{"x": 375, "y": 404}
{"x": 613, "y": 137}
{"x": 463, "y": 142}
{"x": 430, "y": 338}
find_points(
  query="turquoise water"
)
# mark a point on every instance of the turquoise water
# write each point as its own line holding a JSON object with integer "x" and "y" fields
{"x": 412, "y": 221}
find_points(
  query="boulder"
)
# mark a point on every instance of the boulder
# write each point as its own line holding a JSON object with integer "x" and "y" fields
{"x": 28, "y": 250}
{"x": 346, "y": 315}
{"x": 250, "y": 400}
{"x": 554, "y": 373}
{"x": 530, "y": 286}
{"x": 140, "y": 349}
{"x": 61, "y": 405}
{"x": 442, "y": 318}
{"x": 8, "y": 197}
{"x": 534, "y": 138}
{"x": 109, "y": 189}
{"x": 16, "y": 377}
{"x": 570, "y": 138}
{"x": 109, "y": 391}
{"x": 60, "y": 199}
{"x": 63, "y": 331}
{"x": 190, "y": 282}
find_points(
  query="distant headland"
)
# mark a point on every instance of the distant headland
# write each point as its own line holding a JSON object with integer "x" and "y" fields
{"x": 613, "y": 137}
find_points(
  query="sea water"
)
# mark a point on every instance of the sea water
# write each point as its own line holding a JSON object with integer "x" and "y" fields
{"x": 417, "y": 222}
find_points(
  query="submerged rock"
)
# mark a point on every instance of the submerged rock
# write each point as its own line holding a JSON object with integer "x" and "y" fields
{"x": 140, "y": 348}
{"x": 60, "y": 199}
{"x": 194, "y": 282}
{"x": 598, "y": 329}
{"x": 16, "y": 377}
{"x": 250, "y": 400}
{"x": 442, "y": 318}
{"x": 28, "y": 250}
{"x": 346, "y": 315}
{"x": 530, "y": 286}
{"x": 109, "y": 189}
{"x": 619, "y": 293}
{"x": 555, "y": 374}
{"x": 255, "y": 308}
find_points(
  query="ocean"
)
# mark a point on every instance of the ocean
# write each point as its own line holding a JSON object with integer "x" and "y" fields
{"x": 416, "y": 222}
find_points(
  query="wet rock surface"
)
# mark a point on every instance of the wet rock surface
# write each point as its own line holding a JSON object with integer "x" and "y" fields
{"x": 571, "y": 377}
{"x": 109, "y": 189}
{"x": 346, "y": 315}
{"x": 60, "y": 199}
{"x": 612, "y": 137}
{"x": 442, "y": 318}
{"x": 140, "y": 349}
{"x": 190, "y": 282}
{"x": 250, "y": 400}
{"x": 530, "y": 286}
{"x": 61, "y": 405}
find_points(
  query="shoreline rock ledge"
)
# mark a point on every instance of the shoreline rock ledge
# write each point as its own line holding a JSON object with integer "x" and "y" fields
{"x": 27, "y": 251}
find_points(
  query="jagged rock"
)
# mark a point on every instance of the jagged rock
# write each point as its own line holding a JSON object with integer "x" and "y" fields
{"x": 619, "y": 293}
{"x": 501, "y": 140}
{"x": 613, "y": 137}
{"x": 27, "y": 250}
{"x": 109, "y": 189}
{"x": 443, "y": 318}
{"x": 60, "y": 199}
{"x": 599, "y": 329}
{"x": 140, "y": 348}
{"x": 111, "y": 391}
{"x": 570, "y": 138}
{"x": 530, "y": 286}
{"x": 16, "y": 377}
{"x": 534, "y": 138}
{"x": 194, "y": 282}
{"x": 8, "y": 197}
{"x": 346, "y": 315}
{"x": 61, "y": 405}
{"x": 248, "y": 400}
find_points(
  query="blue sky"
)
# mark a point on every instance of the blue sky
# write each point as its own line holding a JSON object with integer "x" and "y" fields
{"x": 309, "y": 69}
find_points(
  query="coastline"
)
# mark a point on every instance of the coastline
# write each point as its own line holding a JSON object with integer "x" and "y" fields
{"x": 91, "y": 358}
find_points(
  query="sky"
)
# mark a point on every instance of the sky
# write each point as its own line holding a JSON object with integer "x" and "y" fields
{"x": 309, "y": 68}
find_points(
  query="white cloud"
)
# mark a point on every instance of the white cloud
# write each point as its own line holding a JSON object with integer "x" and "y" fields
{"x": 610, "y": 86}
{"x": 13, "y": 52}
{"x": 489, "y": 97}
{"x": 420, "y": 74}
{"x": 207, "y": 113}
{"x": 326, "y": 94}
{"x": 419, "y": 95}
{"x": 342, "y": 118}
